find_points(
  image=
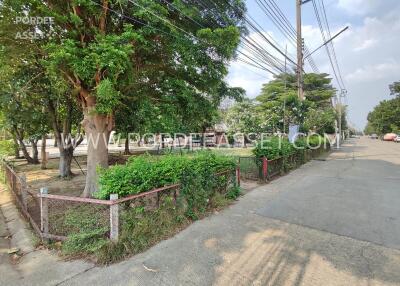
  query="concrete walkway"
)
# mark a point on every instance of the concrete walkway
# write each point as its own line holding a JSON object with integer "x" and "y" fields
{"x": 333, "y": 222}
{"x": 327, "y": 223}
{"x": 34, "y": 266}
{"x": 7, "y": 270}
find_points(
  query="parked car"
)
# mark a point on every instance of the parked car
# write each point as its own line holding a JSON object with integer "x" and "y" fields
{"x": 374, "y": 136}
{"x": 389, "y": 137}
{"x": 397, "y": 139}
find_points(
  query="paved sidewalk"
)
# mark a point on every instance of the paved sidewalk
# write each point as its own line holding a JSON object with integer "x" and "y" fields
{"x": 270, "y": 236}
{"x": 35, "y": 266}
{"x": 331, "y": 222}
{"x": 8, "y": 272}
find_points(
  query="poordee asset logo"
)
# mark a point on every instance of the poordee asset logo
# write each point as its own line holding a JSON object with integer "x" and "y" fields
{"x": 34, "y": 32}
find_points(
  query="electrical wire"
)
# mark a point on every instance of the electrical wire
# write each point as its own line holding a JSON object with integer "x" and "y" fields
{"x": 326, "y": 46}
{"x": 322, "y": 5}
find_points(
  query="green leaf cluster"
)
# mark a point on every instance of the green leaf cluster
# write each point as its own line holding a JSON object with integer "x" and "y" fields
{"x": 385, "y": 117}
{"x": 144, "y": 173}
{"x": 273, "y": 148}
{"x": 87, "y": 232}
{"x": 279, "y": 105}
{"x": 6, "y": 148}
{"x": 276, "y": 147}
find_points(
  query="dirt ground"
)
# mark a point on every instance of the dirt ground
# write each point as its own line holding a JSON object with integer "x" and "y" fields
{"x": 37, "y": 178}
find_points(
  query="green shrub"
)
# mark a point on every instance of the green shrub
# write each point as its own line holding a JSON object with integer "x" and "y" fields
{"x": 86, "y": 228}
{"x": 273, "y": 148}
{"x": 6, "y": 148}
{"x": 316, "y": 140}
{"x": 144, "y": 173}
{"x": 86, "y": 242}
{"x": 301, "y": 143}
{"x": 311, "y": 141}
{"x": 197, "y": 188}
{"x": 141, "y": 228}
{"x": 233, "y": 193}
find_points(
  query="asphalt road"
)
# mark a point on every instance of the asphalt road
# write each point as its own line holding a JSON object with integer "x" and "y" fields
{"x": 333, "y": 222}
{"x": 355, "y": 194}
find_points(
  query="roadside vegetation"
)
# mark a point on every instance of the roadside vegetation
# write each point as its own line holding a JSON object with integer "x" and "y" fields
{"x": 143, "y": 224}
{"x": 276, "y": 147}
{"x": 385, "y": 116}
{"x": 97, "y": 71}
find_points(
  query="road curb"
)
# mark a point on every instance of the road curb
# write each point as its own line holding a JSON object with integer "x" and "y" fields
{"x": 21, "y": 234}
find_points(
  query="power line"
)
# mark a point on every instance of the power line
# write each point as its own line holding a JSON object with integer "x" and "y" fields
{"x": 270, "y": 42}
{"x": 324, "y": 40}
{"x": 161, "y": 18}
{"x": 252, "y": 46}
{"x": 322, "y": 4}
{"x": 253, "y": 25}
{"x": 272, "y": 10}
{"x": 257, "y": 56}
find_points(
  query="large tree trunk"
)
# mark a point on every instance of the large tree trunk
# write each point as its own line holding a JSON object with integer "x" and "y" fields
{"x": 35, "y": 152}
{"x": 62, "y": 132}
{"x": 127, "y": 144}
{"x": 25, "y": 152}
{"x": 66, "y": 155}
{"x": 98, "y": 129}
{"x": 43, "y": 153}
{"x": 16, "y": 148}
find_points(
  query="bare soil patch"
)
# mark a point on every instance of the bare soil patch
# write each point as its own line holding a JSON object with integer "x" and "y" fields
{"x": 37, "y": 178}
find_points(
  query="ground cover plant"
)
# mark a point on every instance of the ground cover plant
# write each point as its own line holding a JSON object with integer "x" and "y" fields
{"x": 284, "y": 156}
{"x": 275, "y": 147}
{"x": 146, "y": 172}
{"x": 143, "y": 222}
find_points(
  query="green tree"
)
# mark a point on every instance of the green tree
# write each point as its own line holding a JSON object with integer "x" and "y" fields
{"x": 320, "y": 121}
{"x": 21, "y": 106}
{"x": 49, "y": 98}
{"x": 369, "y": 129}
{"x": 104, "y": 55}
{"x": 395, "y": 88}
{"x": 385, "y": 116}
{"x": 242, "y": 117}
{"x": 281, "y": 107}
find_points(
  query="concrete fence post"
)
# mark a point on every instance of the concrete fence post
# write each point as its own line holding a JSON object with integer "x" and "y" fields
{"x": 44, "y": 211}
{"x": 114, "y": 219}
{"x": 265, "y": 168}
{"x": 24, "y": 191}
{"x": 13, "y": 183}
{"x": 238, "y": 175}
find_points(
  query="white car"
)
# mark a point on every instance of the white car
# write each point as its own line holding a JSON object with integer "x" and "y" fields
{"x": 397, "y": 139}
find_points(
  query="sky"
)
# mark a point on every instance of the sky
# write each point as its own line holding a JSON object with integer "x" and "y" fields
{"x": 368, "y": 53}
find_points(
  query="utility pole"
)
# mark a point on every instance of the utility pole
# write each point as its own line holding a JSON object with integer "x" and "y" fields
{"x": 300, "y": 91}
{"x": 339, "y": 104}
{"x": 339, "y": 135}
{"x": 284, "y": 101}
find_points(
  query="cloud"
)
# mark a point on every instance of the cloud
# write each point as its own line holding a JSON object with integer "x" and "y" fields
{"x": 367, "y": 53}
{"x": 367, "y": 7}
{"x": 247, "y": 77}
{"x": 374, "y": 72}
{"x": 359, "y": 7}
{"x": 368, "y": 43}
{"x": 251, "y": 78}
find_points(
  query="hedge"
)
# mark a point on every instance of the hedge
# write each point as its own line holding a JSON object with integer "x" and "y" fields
{"x": 6, "y": 148}
{"x": 146, "y": 172}
{"x": 275, "y": 147}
